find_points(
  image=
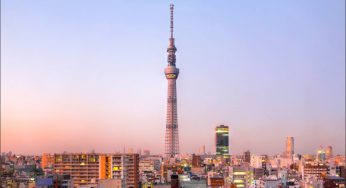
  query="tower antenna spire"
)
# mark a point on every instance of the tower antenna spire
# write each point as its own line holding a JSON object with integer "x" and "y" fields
{"x": 172, "y": 8}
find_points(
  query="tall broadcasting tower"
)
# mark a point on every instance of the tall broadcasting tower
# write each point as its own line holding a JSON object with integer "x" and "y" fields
{"x": 171, "y": 72}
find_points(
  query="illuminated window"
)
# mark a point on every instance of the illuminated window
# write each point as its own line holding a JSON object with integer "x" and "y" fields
{"x": 238, "y": 181}
{"x": 239, "y": 173}
{"x": 92, "y": 159}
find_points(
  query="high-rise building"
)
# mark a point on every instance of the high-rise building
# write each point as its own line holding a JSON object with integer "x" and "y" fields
{"x": 171, "y": 73}
{"x": 221, "y": 140}
{"x": 265, "y": 164}
{"x": 247, "y": 156}
{"x": 321, "y": 155}
{"x": 289, "y": 147}
{"x": 201, "y": 150}
{"x": 329, "y": 152}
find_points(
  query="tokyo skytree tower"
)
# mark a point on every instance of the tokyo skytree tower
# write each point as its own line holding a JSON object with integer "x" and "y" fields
{"x": 171, "y": 72}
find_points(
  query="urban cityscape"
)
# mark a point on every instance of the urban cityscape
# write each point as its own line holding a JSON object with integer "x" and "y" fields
{"x": 167, "y": 163}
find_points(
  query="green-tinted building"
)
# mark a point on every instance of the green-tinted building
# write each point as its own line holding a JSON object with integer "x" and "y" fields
{"x": 222, "y": 141}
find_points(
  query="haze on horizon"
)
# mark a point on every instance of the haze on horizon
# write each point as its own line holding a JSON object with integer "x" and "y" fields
{"x": 79, "y": 75}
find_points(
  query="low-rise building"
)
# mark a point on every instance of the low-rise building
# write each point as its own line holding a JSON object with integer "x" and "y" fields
{"x": 334, "y": 181}
{"x": 241, "y": 176}
{"x": 318, "y": 170}
{"x": 88, "y": 168}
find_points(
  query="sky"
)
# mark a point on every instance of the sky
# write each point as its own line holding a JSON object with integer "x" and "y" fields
{"x": 88, "y": 75}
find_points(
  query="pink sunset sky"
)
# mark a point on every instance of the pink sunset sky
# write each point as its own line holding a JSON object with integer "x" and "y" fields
{"x": 80, "y": 75}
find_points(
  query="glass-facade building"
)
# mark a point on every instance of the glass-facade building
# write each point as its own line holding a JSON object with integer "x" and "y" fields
{"x": 221, "y": 140}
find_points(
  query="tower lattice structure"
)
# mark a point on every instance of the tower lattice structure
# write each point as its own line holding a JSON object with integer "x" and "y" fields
{"x": 171, "y": 73}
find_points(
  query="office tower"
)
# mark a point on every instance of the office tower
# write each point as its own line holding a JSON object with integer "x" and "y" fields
{"x": 329, "y": 152}
{"x": 171, "y": 73}
{"x": 202, "y": 150}
{"x": 221, "y": 141}
{"x": 321, "y": 155}
{"x": 289, "y": 147}
{"x": 247, "y": 156}
{"x": 265, "y": 165}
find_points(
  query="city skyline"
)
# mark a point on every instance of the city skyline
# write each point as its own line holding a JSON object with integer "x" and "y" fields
{"x": 75, "y": 81}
